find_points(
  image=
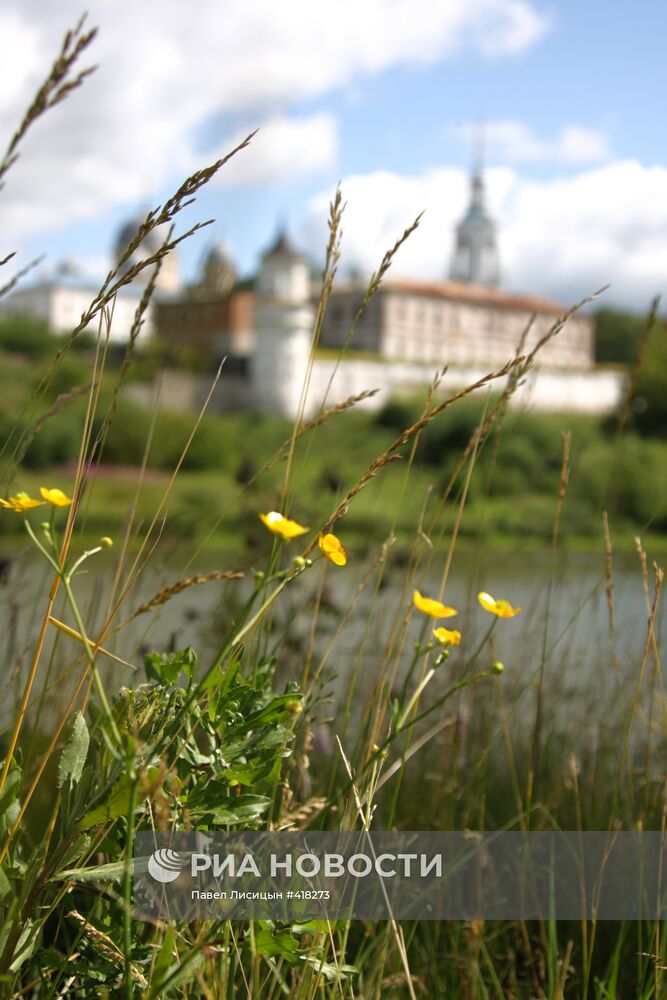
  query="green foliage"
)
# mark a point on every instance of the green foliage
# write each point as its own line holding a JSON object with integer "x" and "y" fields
{"x": 617, "y": 336}
{"x": 74, "y": 755}
{"x": 649, "y": 405}
{"x": 25, "y": 335}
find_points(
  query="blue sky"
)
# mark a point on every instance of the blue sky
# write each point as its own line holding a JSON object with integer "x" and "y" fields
{"x": 378, "y": 94}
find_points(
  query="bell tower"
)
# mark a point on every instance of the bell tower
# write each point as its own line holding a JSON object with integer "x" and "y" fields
{"x": 476, "y": 258}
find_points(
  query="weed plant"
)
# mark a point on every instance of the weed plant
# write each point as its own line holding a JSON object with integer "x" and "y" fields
{"x": 427, "y": 731}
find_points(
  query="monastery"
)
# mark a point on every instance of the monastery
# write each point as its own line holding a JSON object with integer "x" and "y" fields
{"x": 263, "y": 328}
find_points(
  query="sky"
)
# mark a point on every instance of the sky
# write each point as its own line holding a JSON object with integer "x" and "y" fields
{"x": 384, "y": 97}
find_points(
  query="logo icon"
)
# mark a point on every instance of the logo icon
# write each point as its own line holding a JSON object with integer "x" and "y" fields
{"x": 166, "y": 865}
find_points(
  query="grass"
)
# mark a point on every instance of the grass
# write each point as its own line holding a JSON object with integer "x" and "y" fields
{"x": 303, "y": 688}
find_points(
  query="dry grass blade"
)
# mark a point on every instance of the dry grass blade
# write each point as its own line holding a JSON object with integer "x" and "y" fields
{"x": 299, "y": 817}
{"x": 376, "y": 280}
{"x": 609, "y": 583}
{"x": 332, "y": 257}
{"x": 189, "y": 581}
{"x": 105, "y": 945}
{"x": 137, "y": 324}
{"x": 58, "y": 85}
{"x": 649, "y": 323}
{"x": 390, "y": 454}
{"x": 118, "y": 278}
{"x": 6, "y": 288}
{"x": 310, "y": 425}
{"x": 60, "y": 403}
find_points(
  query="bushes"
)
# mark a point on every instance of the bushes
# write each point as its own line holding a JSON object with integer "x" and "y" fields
{"x": 650, "y": 399}
{"x": 26, "y": 335}
{"x": 617, "y": 336}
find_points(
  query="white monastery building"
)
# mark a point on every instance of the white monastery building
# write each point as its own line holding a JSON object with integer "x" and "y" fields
{"x": 408, "y": 331}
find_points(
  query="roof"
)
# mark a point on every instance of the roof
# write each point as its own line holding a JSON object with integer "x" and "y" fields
{"x": 72, "y": 281}
{"x": 282, "y": 247}
{"x": 464, "y": 291}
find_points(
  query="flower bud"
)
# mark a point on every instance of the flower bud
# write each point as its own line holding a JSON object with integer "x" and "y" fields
{"x": 299, "y": 562}
{"x": 497, "y": 667}
{"x": 106, "y": 542}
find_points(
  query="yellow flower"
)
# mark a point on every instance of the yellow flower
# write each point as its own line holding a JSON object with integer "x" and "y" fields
{"x": 428, "y": 606}
{"x": 331, "y": 549}
{"x": 501, "y": 608}
{"x": 55, "y": 497}
{"x": 282, "y": 526}
{"x": 21, "y": 502}
{"x": 448, "y": 637}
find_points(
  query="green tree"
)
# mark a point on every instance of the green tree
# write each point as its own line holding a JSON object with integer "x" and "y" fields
{"x": 617, "y": 336}
{"x": 649, "y": 404}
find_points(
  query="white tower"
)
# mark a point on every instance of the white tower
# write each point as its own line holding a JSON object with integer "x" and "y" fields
{"x": 476, "y": 253}
{"x": 284, "y": 319}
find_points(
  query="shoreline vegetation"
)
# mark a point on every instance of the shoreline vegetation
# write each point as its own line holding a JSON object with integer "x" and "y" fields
{"x": 429, "y": 727}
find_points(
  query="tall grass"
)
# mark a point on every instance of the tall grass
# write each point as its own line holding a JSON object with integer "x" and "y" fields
{"x": 308, "y": 711}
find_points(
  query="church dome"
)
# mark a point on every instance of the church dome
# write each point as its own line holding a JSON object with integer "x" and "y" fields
{"x": 218, "y": 273}
{"x": 168, "y": 280}
{"x": 218, "y": 253}
{"x": 150, "y": 244}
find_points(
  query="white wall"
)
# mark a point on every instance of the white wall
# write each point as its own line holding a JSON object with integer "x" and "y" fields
{"x": 62, "y": 307}
{"x": 279, "y": 364}
{"x": 585, "y": 392}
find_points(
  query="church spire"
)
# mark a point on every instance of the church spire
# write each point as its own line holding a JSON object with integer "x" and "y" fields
{"x": 476, "y": 253}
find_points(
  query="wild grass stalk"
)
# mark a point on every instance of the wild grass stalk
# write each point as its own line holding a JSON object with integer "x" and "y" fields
{"x": 420, "y": 733}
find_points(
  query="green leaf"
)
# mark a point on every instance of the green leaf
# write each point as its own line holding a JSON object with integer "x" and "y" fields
{"x": 239, "y": 809}
{"x": 24, "y": 946}
{"x": 165, "y": 668}
{"x": 113, "y": 872}
{"x": 5, "y": 884}
{"x": 331, "y": 972}
{"x": 116, "y": 804}
{"x": 74, "y": 755}
{"x": 162, "y": 965}
{"x": 277, "y": 944}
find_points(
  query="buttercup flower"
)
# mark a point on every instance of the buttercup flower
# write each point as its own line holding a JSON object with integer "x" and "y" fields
{"x": 21, "y": 502}
{"x": 282, "y": 526}
{"x": 501, "y": 608}
{"x": 331, "y": 549}
{"x": 448, "y": 637}
{"x": 55, "y": 497}
{"x": 429, "y": 606}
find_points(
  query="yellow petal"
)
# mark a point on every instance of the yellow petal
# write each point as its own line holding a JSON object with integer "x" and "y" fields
{"x": 449, "y": 637}
{"x": 281, "y": 525}
{"x": 332, "y": 548}
{"x": 501, "y": 607}
{"x": 487, "y": 602}
{"x": 55, "y": 497}
{"x": 505, "y": 609}
{"x": 429, "y": 606}
{"x": 21, "y": 502}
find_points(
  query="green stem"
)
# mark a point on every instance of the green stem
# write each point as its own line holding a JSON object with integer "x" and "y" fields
{"x": 67, "y": 586}
{"x": 127, "y": 883}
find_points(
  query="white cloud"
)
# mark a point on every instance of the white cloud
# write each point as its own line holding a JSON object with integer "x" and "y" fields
{"x": 167, "y": 70}
{"x": 562, "y": 238}
{"x": 513, "y": 141}
{"x": 284, "y": 149}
